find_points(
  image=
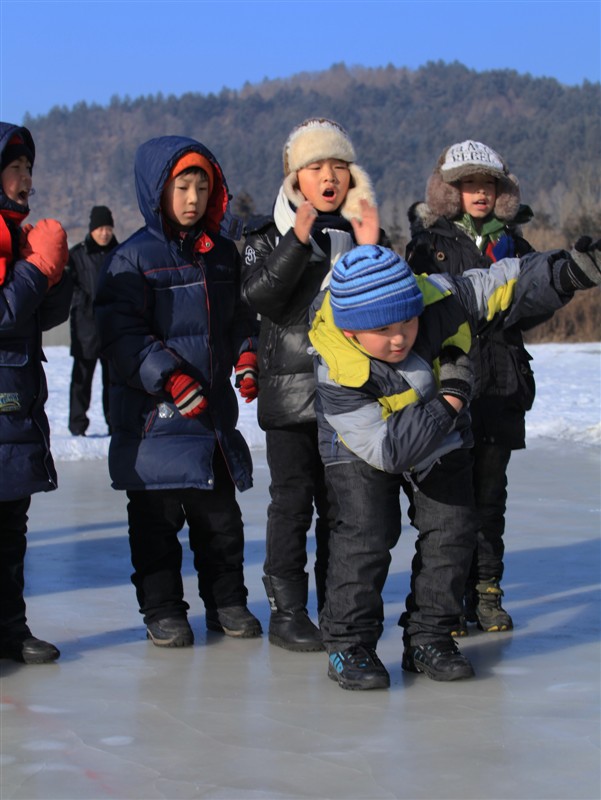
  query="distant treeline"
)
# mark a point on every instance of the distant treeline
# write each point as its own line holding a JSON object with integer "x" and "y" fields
{"x": 399, "y": 121}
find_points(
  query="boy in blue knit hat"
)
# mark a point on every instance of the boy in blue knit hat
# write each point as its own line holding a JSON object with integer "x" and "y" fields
{"x": 394, "y": 382}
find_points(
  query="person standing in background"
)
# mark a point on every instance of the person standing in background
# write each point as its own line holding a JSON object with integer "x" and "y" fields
{"x": 472, "y": 217}
{"x": 85, "y": 261}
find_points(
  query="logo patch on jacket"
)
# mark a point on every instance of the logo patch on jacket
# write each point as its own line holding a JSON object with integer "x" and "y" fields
{"x": 9, "y": 401}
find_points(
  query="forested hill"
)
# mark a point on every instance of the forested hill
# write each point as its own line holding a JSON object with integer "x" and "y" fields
{"x": 399, "y": 121}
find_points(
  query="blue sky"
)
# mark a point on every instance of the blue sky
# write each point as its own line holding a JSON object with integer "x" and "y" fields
{"x": 60, "y": 52}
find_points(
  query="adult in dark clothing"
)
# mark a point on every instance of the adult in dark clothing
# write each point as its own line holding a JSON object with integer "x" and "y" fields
{"x": 85, "y": 261}
{"x": 315, "y": 219}
{"x": 472, "y": 217}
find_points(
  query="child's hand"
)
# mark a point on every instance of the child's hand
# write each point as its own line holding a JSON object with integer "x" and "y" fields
{"x": 367, "y": 229}
{"x": 456, "y": 376}
{"x": 586, "y": 256}
{"x": 45, "y": 246}
{"x": 247, "y": 376}
{"x": 187, "y": 394}
{"x": 305, "y": 216}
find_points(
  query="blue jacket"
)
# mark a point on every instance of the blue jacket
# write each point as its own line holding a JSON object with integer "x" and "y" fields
{"x": 166, "y": 303}
{"x": 26, "y": 309}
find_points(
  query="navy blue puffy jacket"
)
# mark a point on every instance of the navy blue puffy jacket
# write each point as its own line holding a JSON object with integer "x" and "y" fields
{"x": 166, "y": 304}
{"x": 26, "y": 309}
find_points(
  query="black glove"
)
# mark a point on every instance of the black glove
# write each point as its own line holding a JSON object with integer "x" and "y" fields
{"x": 583, "y": 270}
{"x": 456, "y": 374}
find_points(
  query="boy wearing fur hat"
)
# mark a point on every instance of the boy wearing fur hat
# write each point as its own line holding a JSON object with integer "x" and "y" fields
{"x": 325, "y": 205}
{"x": 394, "y": 381}
{"x": 471, "y": 218}
{"x": 34, "y": 296}
{"x": 173, "y": 326}
{"x": 85, "y": 261}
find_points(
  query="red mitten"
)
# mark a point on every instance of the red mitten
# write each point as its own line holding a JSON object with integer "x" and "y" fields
{"x": 187, "y": 394}
{"x": 45, "y": 246}
{"x": 247, "y": 376}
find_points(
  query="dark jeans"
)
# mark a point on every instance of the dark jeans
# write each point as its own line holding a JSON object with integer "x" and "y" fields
{"x": 216, "y": 538}
{"x": 490, "y": 489}
{"x": 297, "y": 487}
{"x": 80, "y": 393}
{"x": 368, "y": 527}
{"x": 13, "y": 544}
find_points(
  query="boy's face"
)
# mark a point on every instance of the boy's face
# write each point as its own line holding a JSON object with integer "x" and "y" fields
{"x": 478, "y": 195}
{"x": 185, "y": 198}
{"x": 16, "y": 180}
{"x": 392, "y": 343}
{"x": 325, "y": 183}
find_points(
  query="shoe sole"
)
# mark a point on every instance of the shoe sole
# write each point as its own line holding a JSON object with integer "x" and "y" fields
{"x": 249, "y": 633}
{"x": 296, "y": 647}
{"x": 355, "y": 686}
{"x": 176, "y": 641}
{"x": 495, "y": 628}
{"x": 434, "y": 675}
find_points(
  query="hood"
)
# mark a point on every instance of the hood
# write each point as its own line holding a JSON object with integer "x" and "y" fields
{"x": 7, "y": 131}
{"x": 153, "y": 163}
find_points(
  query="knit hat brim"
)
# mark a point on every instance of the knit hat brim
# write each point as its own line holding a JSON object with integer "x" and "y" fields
{"x": 193, "y": 159}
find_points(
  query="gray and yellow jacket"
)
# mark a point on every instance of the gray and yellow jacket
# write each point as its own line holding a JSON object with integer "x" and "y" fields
{"x": 393, "y": 416}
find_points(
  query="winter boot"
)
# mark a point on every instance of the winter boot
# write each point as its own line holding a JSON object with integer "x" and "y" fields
{"x": 490, "y": 615}
{"x": 289, "y": 623}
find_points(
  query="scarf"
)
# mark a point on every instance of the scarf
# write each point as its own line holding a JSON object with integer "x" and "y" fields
{"x": 491, "y": 239}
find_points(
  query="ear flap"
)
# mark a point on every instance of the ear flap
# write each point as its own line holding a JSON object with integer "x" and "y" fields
{"x": 292, "y": 191}
{"x": 508, "y": 197}
{"x": 443, "y": 198}
{"x": 361, "y": 189}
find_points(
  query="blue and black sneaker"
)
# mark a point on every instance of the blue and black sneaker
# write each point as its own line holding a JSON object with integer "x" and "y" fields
{"x": 358, "y": 667}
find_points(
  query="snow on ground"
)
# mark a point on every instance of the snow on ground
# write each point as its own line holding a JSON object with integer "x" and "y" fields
{"x": 567, "y": 405}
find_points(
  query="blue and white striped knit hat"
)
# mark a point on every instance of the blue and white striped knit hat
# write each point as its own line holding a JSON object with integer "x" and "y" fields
{"x": 372, "y": 286}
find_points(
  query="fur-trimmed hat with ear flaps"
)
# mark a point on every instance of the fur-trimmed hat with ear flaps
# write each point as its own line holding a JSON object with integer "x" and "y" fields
{"x": 316, "y": 139}
{"x": 470, "y": 158}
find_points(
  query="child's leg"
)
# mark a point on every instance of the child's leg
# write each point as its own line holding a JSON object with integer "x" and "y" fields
{"x": 490, "y": 486}
{"x": 368, "y": 527}
{"x": 13, "y": 544}
{"x": 483, "y": 597}
{"x": 16, "y": 640}
{"x": 297, "y": 483}
{"x": 217, "y": 540}
{"x": 444, "y": 515}
{"x": 155, "y": 519}
{"x": 293, "y": 457}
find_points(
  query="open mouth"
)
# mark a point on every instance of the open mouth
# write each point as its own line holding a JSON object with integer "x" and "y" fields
{"x": 329, "y": 193}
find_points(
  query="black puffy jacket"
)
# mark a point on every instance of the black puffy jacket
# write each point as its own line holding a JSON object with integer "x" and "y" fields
{"x": 504, "y": 379}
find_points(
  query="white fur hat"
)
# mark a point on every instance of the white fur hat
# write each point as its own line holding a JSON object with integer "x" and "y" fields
{"x": 470, "y": 158}
{"x": 316, "y": 139}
